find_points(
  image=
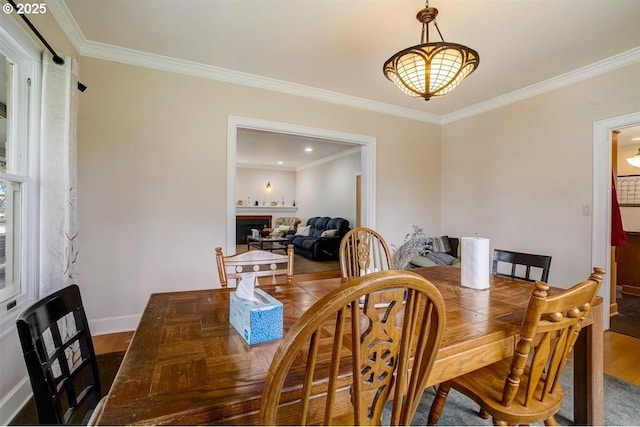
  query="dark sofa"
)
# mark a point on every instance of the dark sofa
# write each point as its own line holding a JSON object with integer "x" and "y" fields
{"x": 316, "y": 247}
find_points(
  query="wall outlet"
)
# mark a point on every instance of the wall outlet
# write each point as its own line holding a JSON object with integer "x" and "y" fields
{"x": 586, "y": 210}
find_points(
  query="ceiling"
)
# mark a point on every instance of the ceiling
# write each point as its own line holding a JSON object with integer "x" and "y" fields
{"x": 256, "y": 148}
{"x": 334, "y": 49}
{"x": 629, "y": 136}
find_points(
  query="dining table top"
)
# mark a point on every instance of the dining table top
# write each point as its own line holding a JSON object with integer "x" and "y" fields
{"x": 186, "y": 364}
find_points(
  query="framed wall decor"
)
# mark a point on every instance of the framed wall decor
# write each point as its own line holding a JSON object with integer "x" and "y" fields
{"x": 628, "y": 189}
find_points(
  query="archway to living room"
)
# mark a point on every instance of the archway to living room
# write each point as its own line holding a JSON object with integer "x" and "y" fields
{"x": 364, "y": 144}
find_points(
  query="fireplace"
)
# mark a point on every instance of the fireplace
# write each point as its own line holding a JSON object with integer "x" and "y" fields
{"x": 244, "y": 224}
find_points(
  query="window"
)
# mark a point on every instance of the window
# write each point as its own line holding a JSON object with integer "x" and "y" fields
{"x": 10, "y": 199}
{"x": 19, "y": 166}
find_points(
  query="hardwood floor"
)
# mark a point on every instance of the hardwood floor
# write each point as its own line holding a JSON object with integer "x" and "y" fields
{"x": 619, "y": 362}
{"x": 110, "y": 343}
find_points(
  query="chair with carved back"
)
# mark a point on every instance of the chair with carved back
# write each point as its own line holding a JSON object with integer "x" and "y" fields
{"x": 363, "y": 251}
{"x": 525, "y": 388}
{"x": 60, "y": 358}
{"x": 516, "y": 262}
{"x": 375, "y": 338}
{"x": 258, "y": 262}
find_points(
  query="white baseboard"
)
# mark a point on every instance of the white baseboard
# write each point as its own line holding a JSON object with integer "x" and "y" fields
{"x": 110, "y": 325}
{"x": 13, "y": 401}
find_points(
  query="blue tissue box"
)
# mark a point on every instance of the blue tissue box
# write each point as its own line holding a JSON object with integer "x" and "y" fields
{"x": 256, "y": 321}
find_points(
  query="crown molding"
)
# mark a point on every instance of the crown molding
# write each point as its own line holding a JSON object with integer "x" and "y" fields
{"x": 164, "y": 63}
{"x": 67, "y": 22}
{"x": 604, "y": 66}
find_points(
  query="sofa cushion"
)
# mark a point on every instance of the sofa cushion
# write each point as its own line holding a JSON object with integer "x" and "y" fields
{"x": 440, "y": 258}
{"x": 440, "y": 244}
{"x": 329, "y": 233}
{"x": 304, "y": 230}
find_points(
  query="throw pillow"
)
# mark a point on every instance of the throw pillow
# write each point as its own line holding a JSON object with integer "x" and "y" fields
{"x": 440, "y": 258}
{"x": 329, "y": 233}
{"x": 303, "y": 231}
{"x": 440, "y": 244}
{"x": 278, "y": 232}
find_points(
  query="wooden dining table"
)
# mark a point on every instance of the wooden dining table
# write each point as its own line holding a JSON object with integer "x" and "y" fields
{"x": 187, "y": 365}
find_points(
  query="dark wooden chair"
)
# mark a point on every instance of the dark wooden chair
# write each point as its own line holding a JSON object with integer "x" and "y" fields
{"x": 525, "y": 388}
{"x": 360, "y": 339}
{"x": 363, "y": 251}
{"x": 58, "y": 351}
{"x": 258, "y": 262}
{"x": 519, "y": 261}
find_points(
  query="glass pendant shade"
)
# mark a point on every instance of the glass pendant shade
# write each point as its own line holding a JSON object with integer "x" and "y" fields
{"x": 635, "y": 160}
{"x": 430, "y": 69}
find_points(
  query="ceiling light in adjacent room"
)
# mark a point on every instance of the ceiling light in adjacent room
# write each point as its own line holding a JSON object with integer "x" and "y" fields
{"x": 634, "y": 160}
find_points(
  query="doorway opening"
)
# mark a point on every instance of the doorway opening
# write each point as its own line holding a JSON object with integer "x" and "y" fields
{"x": 601, "y": 223}
{"x": 366, "y": 143}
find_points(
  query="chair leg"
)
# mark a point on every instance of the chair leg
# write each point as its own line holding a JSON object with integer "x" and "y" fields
{"x": 483, "y": 414}
{"x": 551, "y": 421}
{"x": 438, "y": 404}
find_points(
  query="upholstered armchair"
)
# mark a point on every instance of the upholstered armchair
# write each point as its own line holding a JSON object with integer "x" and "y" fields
{"x": 281, "y": 226}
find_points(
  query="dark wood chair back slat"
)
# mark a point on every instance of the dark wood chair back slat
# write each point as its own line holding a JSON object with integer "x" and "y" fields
{"x": 60, "y": 358}
{"x": 518, "y": 261}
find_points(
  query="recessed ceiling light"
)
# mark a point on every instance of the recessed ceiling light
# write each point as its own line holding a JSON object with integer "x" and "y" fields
{"x": 308, "y": 149}
{"x": 280, "y": 162}
{"x": 636, "y": 138}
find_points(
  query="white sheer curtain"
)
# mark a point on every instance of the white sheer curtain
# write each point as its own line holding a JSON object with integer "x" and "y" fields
{"x": 58, "y": 175}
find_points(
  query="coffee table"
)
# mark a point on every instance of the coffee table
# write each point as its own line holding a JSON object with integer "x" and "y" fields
{"x": 267, "y": 243}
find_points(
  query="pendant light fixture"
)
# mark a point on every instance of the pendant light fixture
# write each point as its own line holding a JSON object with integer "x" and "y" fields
{"x": 634, "y": 160}
{"x": 430, "y": 68}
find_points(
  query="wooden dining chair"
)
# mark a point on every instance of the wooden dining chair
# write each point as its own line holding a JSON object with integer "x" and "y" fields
{"x": 373, "y": 339}
{"x": 521, "y": 265}
{"x": 525, "y": 388}
{"x": 363, "y": 251}
{"x": 258, "y": 262}
{"x": 60, "y": 358}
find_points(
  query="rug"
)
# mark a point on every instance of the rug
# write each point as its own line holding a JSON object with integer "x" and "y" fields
{"x": 108, "y": 365}
{"x": 620, "y": 405}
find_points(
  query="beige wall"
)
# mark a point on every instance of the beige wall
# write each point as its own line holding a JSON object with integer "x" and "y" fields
{"x": 152, "y": 177}
{"x": 520, "y": 175}
{"x": 328, "y": 189}
{"x": 252, "y": 182}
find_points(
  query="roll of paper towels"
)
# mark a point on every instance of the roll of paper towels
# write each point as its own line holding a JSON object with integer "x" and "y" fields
{"x": 475, "y": 262}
